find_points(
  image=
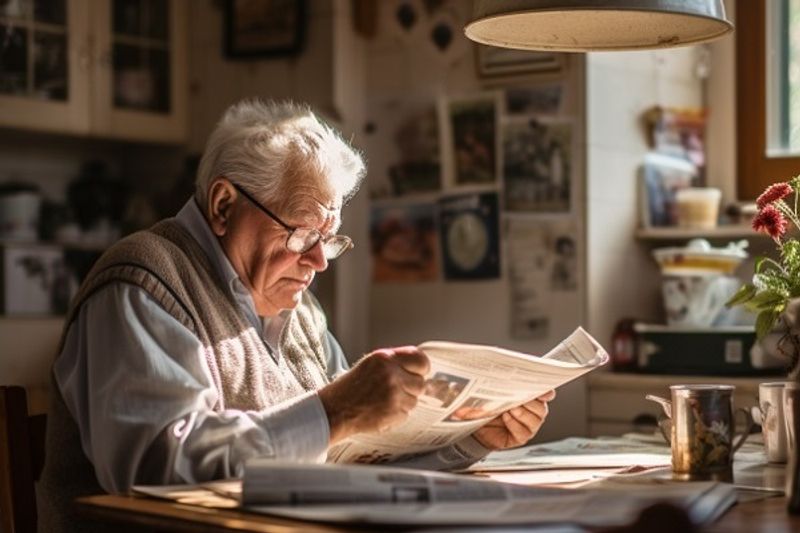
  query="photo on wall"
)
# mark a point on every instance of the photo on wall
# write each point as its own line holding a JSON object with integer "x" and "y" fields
{"x": 470, "y": 239}
{"x": 417, "y": 167}
{"x": 403, "y": 240}
{"x": 536, "y": 100}
{"x": 473, "y": 140}
{"x": 542, "y": 269}
{"x": 537, "y": 165}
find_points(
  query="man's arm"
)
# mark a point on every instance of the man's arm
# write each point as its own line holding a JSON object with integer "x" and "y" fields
{"x": 136, "y": 382}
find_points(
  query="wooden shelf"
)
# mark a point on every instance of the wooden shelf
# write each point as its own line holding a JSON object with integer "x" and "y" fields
{"x": 720, "y": 232}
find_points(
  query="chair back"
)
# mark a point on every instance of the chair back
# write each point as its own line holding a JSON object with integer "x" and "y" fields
{"x": 21, "y": 460}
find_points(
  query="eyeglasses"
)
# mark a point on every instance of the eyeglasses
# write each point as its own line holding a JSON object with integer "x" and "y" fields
{"x": 301, "y": 240}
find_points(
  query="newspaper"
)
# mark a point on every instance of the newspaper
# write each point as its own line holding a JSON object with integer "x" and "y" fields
{"x": 467, "y": 387}
{"x": 399, "y": 496}
{"x": 361, "y": 494}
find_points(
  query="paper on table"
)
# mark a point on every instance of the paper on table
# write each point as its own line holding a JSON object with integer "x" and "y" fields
{"x": 203, "y": 495}
{"x": 578, "y": 452}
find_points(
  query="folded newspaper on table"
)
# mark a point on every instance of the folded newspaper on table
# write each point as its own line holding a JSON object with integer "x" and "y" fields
{"x": 468, "y": 385}
{"x": 387, "y": 495}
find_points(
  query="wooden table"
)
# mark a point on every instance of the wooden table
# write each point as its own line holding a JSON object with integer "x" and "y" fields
{"x": 768, "y": 515}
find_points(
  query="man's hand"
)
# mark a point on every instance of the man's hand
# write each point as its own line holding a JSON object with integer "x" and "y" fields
{"x": 516, "y": 426}
{"x": 375, "y": 394}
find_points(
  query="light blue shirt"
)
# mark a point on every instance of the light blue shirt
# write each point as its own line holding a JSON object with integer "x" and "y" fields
{"x": 136, "y": 382}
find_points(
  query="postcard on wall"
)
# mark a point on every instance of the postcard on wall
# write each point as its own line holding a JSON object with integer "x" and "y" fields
{"x": 403, "y": 240}
{"x": 470, "y": 237}
{"x": 473, "y": 138}
{"x": 535, "y": 100}
{"x": 537, "y": 165}
{"x": 543, "y": 267}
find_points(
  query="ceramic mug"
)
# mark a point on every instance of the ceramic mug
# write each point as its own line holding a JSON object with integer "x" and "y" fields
{"x": 699, "y": 427}
{"x": 769, "y": 414}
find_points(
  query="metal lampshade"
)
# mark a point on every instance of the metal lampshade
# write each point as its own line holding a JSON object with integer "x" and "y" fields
{"x": 587, "y": 25}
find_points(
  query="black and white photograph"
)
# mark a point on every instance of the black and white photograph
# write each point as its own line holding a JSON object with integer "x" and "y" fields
{"x": 474, "y": 137}
{"x": 537, "y": 165}
{"x": 543, "y": 268}
{"x": 534, "y": 100}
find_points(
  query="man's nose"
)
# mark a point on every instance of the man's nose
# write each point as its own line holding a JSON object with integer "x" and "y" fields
{"x": 315, "y": 257}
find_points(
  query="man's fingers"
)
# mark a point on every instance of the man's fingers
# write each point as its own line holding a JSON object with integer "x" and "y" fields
{"x": 412, "y": 360}
{"x": 538, "y": 407}
{"x": 413, "y": 384}
{"x": 519, "y": 432}
{"x": 527, "y": 418}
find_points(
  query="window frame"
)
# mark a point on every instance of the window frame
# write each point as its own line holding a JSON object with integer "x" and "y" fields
{"x": 755, "y": 170}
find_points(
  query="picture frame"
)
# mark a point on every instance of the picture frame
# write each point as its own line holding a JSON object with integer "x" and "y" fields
{"x": 492, "y": 61}
{"x": 264, "y": 28}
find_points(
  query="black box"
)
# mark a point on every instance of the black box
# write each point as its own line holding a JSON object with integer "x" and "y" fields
{"x": 722, "y": 351}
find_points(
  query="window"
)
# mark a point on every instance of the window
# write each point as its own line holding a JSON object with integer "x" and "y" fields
{"x": 768, "y": 93}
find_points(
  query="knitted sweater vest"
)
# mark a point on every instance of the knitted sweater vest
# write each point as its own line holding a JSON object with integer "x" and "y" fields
{"x": 172, "y": 268}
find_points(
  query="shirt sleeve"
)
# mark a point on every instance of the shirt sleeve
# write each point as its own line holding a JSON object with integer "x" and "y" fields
{"x": 337, "y": 362}
{"x": 136, "y": 382}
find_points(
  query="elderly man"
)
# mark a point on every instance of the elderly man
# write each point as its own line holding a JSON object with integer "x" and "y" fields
{"x": 195, "y": 345}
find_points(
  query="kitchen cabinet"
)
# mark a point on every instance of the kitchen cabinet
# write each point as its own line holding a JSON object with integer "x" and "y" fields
{"x": 617, "y": 405}
{"x": 106, "y": 68}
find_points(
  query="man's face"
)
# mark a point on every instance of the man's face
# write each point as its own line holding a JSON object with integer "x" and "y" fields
{"x": 256, "y": 246}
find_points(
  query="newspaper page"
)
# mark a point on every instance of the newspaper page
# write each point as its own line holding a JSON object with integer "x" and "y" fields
{"x": 399, "y": 496}
{"x": 468, "y": 386}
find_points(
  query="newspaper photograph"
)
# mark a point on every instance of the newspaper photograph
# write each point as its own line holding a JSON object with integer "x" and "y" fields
{"x": 468, "y": 386}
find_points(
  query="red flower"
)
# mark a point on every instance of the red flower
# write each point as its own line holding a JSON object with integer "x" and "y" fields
{"x": 773, "y": 193}
{"x": 770, "y": 221}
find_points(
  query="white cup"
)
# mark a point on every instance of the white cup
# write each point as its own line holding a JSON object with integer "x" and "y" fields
{"x": 19, "y": 216}
{"x": 770, "y": 415}
{"x": 698, "y": 207}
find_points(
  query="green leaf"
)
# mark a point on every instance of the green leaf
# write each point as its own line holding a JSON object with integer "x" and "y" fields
{"x": 766, "y": 300}
{"x": 759, "y": 261}
{"x": 744, "y": 294}
{"x": 765, "y": 321}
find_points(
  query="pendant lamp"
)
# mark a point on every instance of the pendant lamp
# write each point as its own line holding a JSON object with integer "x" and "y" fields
{"x": 590, "y": 25}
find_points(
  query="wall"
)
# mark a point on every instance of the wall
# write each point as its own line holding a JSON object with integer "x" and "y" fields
{"x": 215, "y": 82}
{"x": 623, "y": 279}
{"x": 721, "y": 139}
{"x": 405, "y": 68}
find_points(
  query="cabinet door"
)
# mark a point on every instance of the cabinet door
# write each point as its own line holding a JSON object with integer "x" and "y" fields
{"x": 44, "y": 65}
{"x": 139, "y": 89}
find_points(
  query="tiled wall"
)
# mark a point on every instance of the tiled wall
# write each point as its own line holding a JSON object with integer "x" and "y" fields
{"x": 623, "y": 279}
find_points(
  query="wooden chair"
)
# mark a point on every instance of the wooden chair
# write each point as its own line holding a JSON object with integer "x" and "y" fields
{"x": 21, "y": 460}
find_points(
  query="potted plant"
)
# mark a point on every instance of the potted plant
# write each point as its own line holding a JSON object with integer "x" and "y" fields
{"x": 774, "y": 294}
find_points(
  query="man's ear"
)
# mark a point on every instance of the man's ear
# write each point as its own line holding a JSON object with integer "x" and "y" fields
{"x": 221, "y": 197}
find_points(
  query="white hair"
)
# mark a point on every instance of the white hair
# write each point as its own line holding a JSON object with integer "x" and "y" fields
{"x": 281, "y": 153}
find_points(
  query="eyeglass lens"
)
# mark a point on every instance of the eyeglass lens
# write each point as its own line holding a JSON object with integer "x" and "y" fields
{"x": 302, "y": 240}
